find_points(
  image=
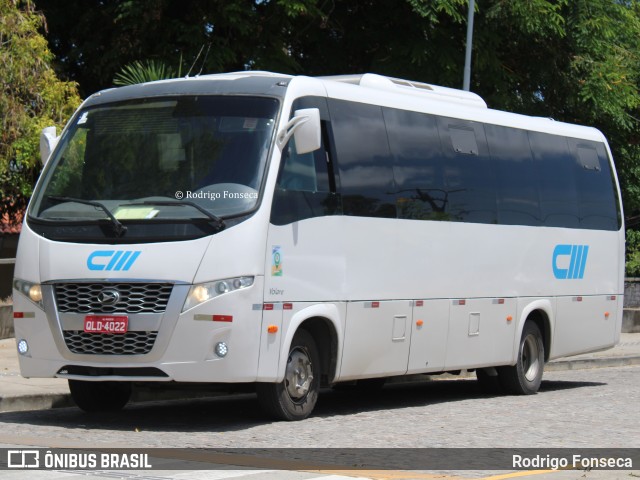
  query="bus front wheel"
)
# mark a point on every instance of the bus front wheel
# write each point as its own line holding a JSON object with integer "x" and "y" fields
{"x": 295, "y": 397}
{"x": 525, "y": 376}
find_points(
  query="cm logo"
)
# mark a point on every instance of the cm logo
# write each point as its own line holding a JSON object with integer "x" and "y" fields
{"x": 112, "y": 260}
{"x": 576, "y": 262}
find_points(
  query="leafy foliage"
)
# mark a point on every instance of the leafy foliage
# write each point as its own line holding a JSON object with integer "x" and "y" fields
{"x": 31, "y": 97}
{"x": 633, "y": 253}
{"x": 143, "y": 71}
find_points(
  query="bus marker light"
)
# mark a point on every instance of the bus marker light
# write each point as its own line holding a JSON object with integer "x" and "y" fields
{"x": 287, "y": 306}
{"x": 272, "y": 329}
{"x": 606, "y": 314}
{"x": 419, "y": 323}
{"x": 268, "y": 306}
{"x": 419, "y": 303}
{"x": 509, "y": 318}
{"x": 223, "y": 318}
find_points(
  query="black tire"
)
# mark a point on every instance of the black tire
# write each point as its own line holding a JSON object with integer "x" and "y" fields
{"x": 525, "y": 376}
{"x": 295, "y": 397}
{"x": 94, "y": 397}
{"x": 489, "y": 384}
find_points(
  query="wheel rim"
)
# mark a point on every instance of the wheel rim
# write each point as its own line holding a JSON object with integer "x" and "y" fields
{"x": 530, "y": 358}
{"x": 299, "y": 374}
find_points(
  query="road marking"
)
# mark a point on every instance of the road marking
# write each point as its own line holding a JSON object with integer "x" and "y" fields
{"x": 518, "y": 474}
{"x": 388, "y": 474}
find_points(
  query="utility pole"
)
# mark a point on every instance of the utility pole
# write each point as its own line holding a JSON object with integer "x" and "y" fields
{"x": 467, "y": 56}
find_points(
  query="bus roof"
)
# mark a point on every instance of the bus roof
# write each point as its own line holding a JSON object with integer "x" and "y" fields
{"x": 365, "y": 88}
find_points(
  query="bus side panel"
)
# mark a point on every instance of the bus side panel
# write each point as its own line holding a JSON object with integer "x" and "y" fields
{"x": 305, "y": 261}
{"x": 584, "y": 324}
{"x": 271, "y": 335}
{"x": 378, "y": 338}
{"x": 481, "y": 332}
{"x": 430, "y": 328}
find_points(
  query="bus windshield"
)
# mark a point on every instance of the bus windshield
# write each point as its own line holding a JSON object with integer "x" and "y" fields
{"x": 143, "y": 160}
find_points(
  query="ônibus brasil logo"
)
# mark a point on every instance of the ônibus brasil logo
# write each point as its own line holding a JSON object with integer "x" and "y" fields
{"x": 112, "y": 260}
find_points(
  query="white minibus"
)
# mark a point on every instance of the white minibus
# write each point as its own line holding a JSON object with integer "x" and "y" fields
{"x": 296, "y": 233}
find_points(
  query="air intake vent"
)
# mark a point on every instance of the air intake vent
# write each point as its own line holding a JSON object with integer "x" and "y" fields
{"x": 121, "y": 298}
{"x": 130, "y": 343}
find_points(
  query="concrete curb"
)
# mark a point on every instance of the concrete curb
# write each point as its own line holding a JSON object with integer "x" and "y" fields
{"x": 38, "y": 401}
{"x": 587, "y": 363}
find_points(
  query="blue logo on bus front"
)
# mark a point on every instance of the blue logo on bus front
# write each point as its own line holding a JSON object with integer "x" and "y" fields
{"x": 576, "y": 262}
{"x": 112, "y": 260}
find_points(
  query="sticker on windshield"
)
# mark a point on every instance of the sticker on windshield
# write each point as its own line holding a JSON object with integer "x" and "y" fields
{"x": 83, "y": 119}
{"x": 250, "y": 123}
{"x": 276, "y": 261}
{"x": 135, "y": 213}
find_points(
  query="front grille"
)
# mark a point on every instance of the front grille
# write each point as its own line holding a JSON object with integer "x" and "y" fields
{"x": 132, "y": 297}
{"x": 130, "y": 343}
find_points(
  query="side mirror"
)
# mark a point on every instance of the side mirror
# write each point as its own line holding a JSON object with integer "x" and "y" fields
{"x": 48, "y": 141}
{"x": 305, "y": 128}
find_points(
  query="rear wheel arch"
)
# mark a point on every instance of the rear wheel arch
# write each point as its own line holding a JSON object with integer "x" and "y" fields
{"x": 525, "y": 377}
{"x": 541, "y": 312}
{"x": 541, "y": 319}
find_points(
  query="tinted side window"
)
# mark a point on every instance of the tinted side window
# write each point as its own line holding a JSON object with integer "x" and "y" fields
{"x": 305, "y": 187}
{"x": 518, "y": 201}
{"x": 418, "y": 166}
{"x": 469, "y": 172}
{"x": 555, "y": 176}
{"x": 598, "y": 199}
{"x": 363, "y": 159}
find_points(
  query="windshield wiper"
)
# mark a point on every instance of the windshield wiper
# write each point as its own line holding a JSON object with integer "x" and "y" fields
{"x": 218, "y": 223}
{"x": 118, "y": 227}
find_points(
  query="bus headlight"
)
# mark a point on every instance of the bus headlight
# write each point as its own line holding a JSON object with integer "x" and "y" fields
{"x": 33, "y": 291}
{"x": 206, "y": 291}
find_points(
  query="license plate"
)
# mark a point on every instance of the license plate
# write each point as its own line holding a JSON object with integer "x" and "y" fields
{"x": 106, "y": 323}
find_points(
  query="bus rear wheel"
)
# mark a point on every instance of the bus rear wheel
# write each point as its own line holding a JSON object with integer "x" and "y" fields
{"x": 95, "y": 397}
{"x": 525, "y": 376}
{"x": 295, "y": 397}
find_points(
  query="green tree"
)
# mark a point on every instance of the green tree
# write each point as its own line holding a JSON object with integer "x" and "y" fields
{"x": 94, "y": 39}
{"x": 31, "y": 97}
